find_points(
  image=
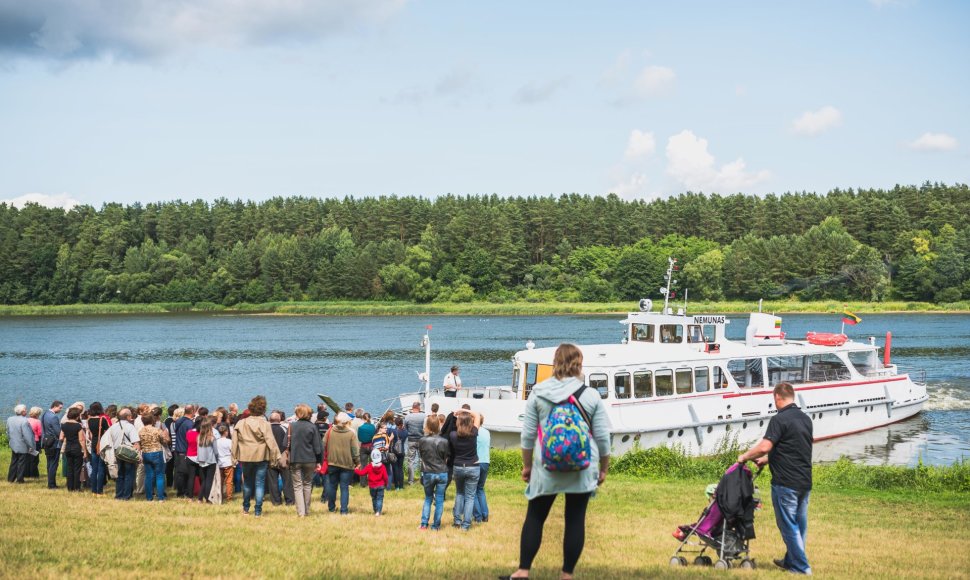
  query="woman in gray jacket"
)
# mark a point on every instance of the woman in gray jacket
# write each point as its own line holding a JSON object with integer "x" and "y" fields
{"x": 306, "y": 453}
{"x": 543, "y": 485}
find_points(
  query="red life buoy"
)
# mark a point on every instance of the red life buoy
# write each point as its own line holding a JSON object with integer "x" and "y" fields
{"x": 826, "y": 338}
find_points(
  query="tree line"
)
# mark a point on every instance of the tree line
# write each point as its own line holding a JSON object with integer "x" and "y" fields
{"x": 908, "y": 242}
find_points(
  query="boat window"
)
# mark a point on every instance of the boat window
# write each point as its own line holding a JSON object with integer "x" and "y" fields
{"x": 671, "y": 333}
{"x": 643, "y": 384}
{"x": 621, "y": 385}
{"x": 700, "y": 333}
{"x": 665, "y": 382}
{"x": 685, "y": 381}
{"x": 747, "y": 372}
{"x": 515, "y": 379}
{"x": 642, "y": 332}
{"x": 865, "y": 361}
{"x": 599, "y": 382}
{"x": 827, "y": 367}
{"x": 702, "y": 376}
{"x": 786, "y": 369}
{"x": 535, "y": 373}
{"x": 720, "y": 378}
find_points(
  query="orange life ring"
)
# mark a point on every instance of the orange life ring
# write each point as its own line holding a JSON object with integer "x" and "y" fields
{"x": 826, "y": 338}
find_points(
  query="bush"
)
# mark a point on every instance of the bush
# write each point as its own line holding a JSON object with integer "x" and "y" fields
{"x": 671, "y": 463}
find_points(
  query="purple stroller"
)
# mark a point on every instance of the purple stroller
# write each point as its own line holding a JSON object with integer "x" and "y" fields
{"x": 712, "y": 531}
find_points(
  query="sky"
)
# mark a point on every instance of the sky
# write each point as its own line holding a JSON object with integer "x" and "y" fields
{"x": 154, "y": 100}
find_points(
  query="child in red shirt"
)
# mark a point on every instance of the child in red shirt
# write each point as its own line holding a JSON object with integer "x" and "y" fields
{"x": 376, "y": 480}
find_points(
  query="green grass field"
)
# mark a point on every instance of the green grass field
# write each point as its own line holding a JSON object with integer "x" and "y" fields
{"x": 853, "y": 533}
{"x": 398, "y": 308}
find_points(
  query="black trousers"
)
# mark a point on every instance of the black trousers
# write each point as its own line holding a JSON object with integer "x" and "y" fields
{"x": 170, "y": 472}
{"x": 18, "y": 467}
{"x": 573, "y": 539}
{"x": 53, "y": 458}
{"x": 75, "y": 463}
{"x": 206, "y": 475}
{"x": 183, "y": 479}
{"x": 277, "y": 495}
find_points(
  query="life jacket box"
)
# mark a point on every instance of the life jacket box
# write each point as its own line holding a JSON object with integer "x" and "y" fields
{"x": 712, "y": 347}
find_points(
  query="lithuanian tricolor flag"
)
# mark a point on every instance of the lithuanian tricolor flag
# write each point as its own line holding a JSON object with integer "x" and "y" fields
{"x": 849, "y": 318}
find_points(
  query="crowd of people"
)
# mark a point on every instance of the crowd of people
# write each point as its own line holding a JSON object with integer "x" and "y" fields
{"x": 206, "y": 456}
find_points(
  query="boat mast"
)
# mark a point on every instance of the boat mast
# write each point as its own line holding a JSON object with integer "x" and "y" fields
{"x": 426, "y": 343}
{"x": 671, "y": 268}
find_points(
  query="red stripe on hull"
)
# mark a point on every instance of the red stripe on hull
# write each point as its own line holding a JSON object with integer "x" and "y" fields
{"x": 867, "y": 428}
{"x": 837, "y": 385}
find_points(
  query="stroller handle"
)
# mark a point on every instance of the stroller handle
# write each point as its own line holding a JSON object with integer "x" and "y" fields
{"x": 756, "y": 473}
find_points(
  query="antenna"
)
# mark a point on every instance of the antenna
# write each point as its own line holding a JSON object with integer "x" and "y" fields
{"x": 669, "y": 276}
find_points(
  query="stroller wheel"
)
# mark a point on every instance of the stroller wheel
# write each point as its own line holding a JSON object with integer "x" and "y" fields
{"x": 747, "y": 564}
{"x": 722, "y": 565}
{"x": 702, "y": 561}
{"x": 677, "y": 562}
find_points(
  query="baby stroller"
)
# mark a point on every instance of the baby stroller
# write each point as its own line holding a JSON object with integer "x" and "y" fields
{"x": 725, "y": 526}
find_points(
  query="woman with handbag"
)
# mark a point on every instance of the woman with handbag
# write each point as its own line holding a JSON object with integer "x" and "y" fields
{"x": 75, "y": 451}
{"x": 306, "y": 452}
{"x": 153, "y": 439}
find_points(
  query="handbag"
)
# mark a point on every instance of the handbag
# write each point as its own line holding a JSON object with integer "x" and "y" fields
{"x": 322, "y": 470}
{"x": 125, "y": 452}
{"x": 284, "y": 460}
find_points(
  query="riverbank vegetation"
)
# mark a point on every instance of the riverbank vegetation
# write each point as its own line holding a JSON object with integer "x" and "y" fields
{"x": 852, "y": 534}
{"x": 909, "y": 243}
{"x": 478, "y": 308}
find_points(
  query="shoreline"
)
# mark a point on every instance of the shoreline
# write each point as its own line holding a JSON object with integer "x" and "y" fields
{"x": 362, "y": 308}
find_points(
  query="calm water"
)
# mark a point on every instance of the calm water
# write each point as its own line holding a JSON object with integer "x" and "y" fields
{"x": 215, "y": 360}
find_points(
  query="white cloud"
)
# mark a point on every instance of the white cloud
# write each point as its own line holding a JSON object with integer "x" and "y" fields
{"x": 934, "y": 142}
{"x": 539, "y": 91}
{"x": 689, "y": 162}
{"x": 654, "y": 80}
{"x": 618, "y": 70}
{"x": 145, "y": 29}
{"x": 630, "y": 185}
{"x": 816, "y": 122}
{"x": 61, "y": 200}
{"x": 641, "y": 144}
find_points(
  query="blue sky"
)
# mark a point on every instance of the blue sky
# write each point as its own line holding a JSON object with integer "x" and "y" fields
{"x": 249, "y": 99}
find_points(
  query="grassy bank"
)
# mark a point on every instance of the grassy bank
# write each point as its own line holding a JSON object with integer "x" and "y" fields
{"x": 373, "y": 308}
{"x": 852, "y": 534}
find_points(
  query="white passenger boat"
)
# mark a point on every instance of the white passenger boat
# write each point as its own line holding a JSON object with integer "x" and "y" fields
{"x": 677, "y": 380}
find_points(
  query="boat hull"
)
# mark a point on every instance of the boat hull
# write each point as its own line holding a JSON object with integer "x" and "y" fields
{"x": 706, "y": 423}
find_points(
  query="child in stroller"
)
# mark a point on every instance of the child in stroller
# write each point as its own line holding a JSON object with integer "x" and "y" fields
{"x": 725, "y": 525}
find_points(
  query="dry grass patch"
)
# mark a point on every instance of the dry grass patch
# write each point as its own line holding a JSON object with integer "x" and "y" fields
{"x": 50, "y": 533}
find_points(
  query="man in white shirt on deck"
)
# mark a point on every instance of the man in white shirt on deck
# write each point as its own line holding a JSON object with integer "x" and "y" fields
{"x": 452, "y": 382}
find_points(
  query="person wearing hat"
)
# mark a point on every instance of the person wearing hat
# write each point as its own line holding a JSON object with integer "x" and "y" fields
{"x": 376, "y": 475}
{"x": 452, "y": 382}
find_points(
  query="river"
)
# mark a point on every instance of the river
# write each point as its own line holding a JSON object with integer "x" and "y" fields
{"x": 218, "y": 359}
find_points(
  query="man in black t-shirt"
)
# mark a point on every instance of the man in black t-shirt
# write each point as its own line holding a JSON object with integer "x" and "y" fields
{"x": 788, "y": 446}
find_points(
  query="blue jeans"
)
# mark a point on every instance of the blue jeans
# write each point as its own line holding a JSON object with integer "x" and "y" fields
{"x": 342, "y": 477}
{"x": 791, "y": 516}
{"x": 125, "y": 484}
{"x": 98, "y": 475}
{"x": 481, "y": 504}
{"x": 434, "y": 488}
{"x": 377, "y": 499}
{"x": 254, "y": 483}
{"x": 466, "y": 482}
{"x": 154, "y": 475}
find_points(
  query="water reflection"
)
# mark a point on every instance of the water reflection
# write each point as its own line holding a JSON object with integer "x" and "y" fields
{"x": 903, "y": 443}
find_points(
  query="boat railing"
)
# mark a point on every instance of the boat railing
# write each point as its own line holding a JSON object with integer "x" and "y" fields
{"x": 823, "y": 375}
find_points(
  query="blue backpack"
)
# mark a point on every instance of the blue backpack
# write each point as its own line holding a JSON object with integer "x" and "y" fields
{"x": 565, "y": 436}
